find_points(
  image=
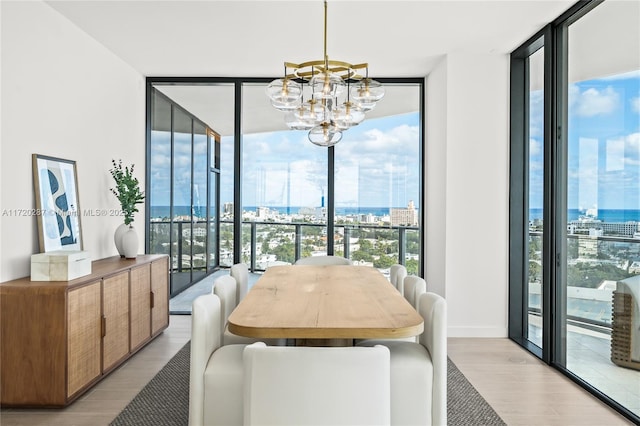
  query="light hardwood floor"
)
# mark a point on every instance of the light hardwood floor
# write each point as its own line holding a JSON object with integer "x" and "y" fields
{"x": 525, "y": 391}
{"x": 521, "y": 389}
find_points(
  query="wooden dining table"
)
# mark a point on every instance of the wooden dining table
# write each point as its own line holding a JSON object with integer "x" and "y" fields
{"x": 324, "y": 302}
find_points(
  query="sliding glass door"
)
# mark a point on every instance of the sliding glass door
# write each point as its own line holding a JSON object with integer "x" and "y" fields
{"x": 575, "y": 199}
{"x": 602, "y": 202}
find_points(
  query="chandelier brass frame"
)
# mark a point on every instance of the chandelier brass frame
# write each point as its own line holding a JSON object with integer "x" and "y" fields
{"x": 323, "y": 114}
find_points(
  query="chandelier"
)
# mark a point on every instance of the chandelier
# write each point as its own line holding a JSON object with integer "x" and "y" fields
{"x": 325, "y": 97}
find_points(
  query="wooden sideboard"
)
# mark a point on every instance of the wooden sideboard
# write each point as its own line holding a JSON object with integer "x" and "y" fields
{"x": 57, "y": 339}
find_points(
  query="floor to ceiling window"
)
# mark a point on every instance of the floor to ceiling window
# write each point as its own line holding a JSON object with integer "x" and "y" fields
{"x": 378, "y": 175}
{"x": 588, "y": 256}
{"x": 371, "y": 213}
{"x": 284, "y": 188}
{"x": 535, "y": 185}
{"x": 280, "y": 196}
{"x": 602, "y": 200}
{"x": 528, "y": 173}
{"x": 182, "y": 194}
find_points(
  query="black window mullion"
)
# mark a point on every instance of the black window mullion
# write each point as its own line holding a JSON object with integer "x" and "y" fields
{"x": 193, "y": 141}
{"x": 150, "y": 102}
{"x": 237, "y": 176}
{"x": 549, "y": 243}
{"x": 207, "y": 244}
{"x": 331, "y": 203}
{"x": 558, "y": 197}
{"x": 517, "y": 237}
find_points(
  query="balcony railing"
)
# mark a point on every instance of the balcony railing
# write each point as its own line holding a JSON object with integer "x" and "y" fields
{"x": 346, "y": 238}
{"x": 594, "y": 264}
{"x": 304, "y": 238}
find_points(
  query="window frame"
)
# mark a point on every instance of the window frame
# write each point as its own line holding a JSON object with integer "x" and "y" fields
{"x": 554, "y": 38}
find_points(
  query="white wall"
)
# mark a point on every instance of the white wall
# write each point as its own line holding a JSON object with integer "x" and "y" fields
{"x": 67, "y": 96}
{"x": 435, "y": 163}
{"x": 63, "y": 95}
{"x": 467, "y": 149}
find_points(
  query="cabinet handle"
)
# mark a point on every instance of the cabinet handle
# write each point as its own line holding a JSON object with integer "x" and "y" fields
{"x": 152, "y": 300}
{"x": 103, "y": 327}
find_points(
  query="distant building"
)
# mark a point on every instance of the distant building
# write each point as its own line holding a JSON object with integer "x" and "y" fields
{"x": 406, "y": 217}
{"x": 623, "y": 229}
{"x": 368, "y": 218}
{"x": 588, "y": 248}
{"x": 318, "y": 213}
{"x": 197, "y": 232}
{"x": 263, "y": 213}
{"x": 227, "y": 208}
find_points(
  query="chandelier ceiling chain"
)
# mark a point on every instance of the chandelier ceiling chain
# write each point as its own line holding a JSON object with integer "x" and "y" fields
{"x": 324, "y": 115}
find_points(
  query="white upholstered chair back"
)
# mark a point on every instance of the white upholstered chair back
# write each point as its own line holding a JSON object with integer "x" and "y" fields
{"x": 323, "y": 260}
{"x": 414, "y": 286}
{"x": 397, "y": 273}
{"x": 205, "y": 339}
{"x": 240, "y": 272}
{"x": 225, "y": 288}
{"x": 433, "y": 309}
{"x": 295, "y": 385}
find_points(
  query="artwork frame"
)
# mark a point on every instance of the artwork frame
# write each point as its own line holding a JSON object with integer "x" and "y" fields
{"x": 55, "y": 182}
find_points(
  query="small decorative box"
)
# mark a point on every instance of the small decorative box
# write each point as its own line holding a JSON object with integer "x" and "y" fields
{"x": 60, "y": 265}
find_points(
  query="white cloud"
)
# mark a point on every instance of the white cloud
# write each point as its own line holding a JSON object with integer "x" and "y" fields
{"x": 632, "y": 149}
{"x": 376, "y": 164}
{"x": 592, "y": 101}
{"x": 535, "y": 147}
{"x": 160, "y": 160}
{"x": 635, "y": 104}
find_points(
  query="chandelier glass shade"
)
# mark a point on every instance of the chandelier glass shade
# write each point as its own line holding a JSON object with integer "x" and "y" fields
{"x": 325, "y": 97}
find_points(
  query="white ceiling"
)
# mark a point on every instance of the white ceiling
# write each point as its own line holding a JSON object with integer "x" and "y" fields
{"x": 254, "y": 38}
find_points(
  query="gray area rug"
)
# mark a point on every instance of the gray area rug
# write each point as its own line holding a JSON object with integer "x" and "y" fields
{"x": 165, "y": 399}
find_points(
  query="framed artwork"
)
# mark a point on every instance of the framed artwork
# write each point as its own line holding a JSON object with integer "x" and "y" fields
{"x": 55, "y": 184}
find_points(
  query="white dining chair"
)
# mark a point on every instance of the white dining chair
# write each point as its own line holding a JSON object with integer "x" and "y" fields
{"x": 240, "y": 271}
{"x": 419, "y": 370}
{"x": 298, "y": 385}
{"x": 414, "y": 286}
{"x": 323, "y": 260}
{"x": 225, "y": 288}
{"x": 215, "y": 371}
{"x": 397, "y": 273}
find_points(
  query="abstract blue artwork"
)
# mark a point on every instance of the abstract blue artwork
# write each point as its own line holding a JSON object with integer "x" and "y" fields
{"x": 57, "y": 209}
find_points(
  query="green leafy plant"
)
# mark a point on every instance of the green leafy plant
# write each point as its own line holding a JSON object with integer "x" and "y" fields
{"x": 127, "y": 189}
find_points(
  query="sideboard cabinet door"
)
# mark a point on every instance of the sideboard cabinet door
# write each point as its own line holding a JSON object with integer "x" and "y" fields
{"x": 115, "y": 309}
{"x": 140, "y": 305}
{"x": 84, "y": 336}
{"x": 160, "y": 291}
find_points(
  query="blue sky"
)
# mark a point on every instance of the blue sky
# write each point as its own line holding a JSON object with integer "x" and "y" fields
{"x": 603, "y": 144}
{"x": 377, "y": 165}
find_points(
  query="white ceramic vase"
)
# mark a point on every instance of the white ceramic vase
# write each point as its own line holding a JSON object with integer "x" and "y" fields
{"x": 117, "y": 238}
{"x": 130, "y": 243}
